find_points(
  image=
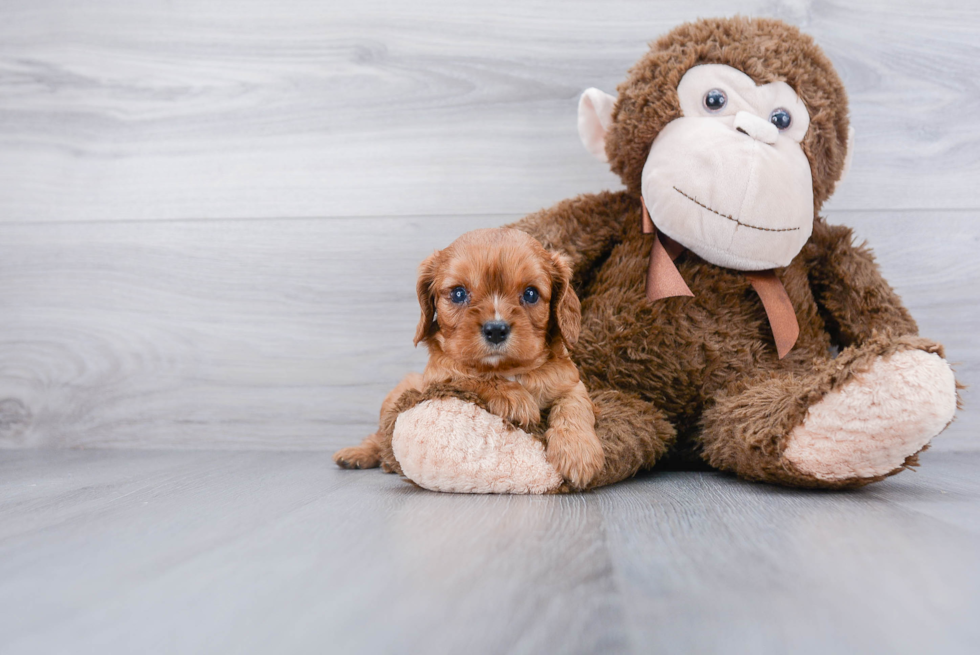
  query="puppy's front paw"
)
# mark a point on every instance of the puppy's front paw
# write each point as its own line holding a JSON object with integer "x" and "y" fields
{"x": 357, "y": 457}
{"x": 577, "y": 457}
{"x": 517, "y": 407}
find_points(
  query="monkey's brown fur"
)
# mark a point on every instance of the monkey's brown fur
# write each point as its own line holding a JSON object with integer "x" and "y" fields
{"x": 699, "y": 377}
{"x": 703, "y": 371}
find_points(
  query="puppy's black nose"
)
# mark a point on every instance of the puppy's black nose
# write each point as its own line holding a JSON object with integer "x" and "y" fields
{"x": 496, "y": 331}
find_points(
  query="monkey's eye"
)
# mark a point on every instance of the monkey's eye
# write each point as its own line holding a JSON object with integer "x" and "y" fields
{"x": 530, "y": 295}
{"x": 458, "y": 295}
{"x": 715, "y": 100}
{"x": 780, "y": 118}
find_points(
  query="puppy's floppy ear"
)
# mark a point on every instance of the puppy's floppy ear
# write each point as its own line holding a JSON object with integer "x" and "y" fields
{"x": 427, "y": 301}
{"x": 566, "y": 311}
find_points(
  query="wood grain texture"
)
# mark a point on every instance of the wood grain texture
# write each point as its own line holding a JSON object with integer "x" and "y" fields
{"x": 287, "y": 334}
{"x": 177, "y": 552}
{"x": 220, "y": 109}
{"x": 211, "y": 212}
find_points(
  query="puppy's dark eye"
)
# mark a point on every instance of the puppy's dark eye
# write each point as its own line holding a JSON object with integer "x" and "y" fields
{"x": 530, "y": 295}
{"x": 458, "y": 295}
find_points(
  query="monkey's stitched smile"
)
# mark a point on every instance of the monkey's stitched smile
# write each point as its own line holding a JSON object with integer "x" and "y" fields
{"x": 732, "y": 218}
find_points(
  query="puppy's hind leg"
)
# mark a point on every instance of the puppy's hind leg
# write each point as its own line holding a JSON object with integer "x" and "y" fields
{"x": 365, "y": 456}
{"x": 368, "y": 454}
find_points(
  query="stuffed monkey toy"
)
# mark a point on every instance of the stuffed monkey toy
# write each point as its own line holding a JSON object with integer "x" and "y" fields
{"x": 723, "y": 320}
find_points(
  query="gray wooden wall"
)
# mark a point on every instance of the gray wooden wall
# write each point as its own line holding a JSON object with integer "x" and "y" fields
{"x": 211, "y": 211}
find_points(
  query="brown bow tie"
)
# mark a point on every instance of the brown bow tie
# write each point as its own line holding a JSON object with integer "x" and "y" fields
{"x": 665, "y": 281}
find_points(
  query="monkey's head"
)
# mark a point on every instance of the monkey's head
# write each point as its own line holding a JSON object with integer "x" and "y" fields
{"x": 734, "y": 131}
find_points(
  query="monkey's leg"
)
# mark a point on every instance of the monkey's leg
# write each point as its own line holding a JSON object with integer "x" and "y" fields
{"x": 634, "y": 434}
{"x": 368, "y": 454}
{"x": 844, "y": 423}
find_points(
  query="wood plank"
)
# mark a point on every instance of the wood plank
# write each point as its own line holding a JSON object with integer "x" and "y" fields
{"x": 214, "y": 109}
{"x": 945, "y": 487}
{"x": 152, "y": 552}
{"x": 259, "y": 552}
{"x": 287, "y": 334}
{"x": 749, "y": 568}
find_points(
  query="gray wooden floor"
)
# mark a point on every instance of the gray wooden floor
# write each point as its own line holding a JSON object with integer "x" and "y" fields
{"x": 211, "y": 213}
{"x": 263, "y": 552}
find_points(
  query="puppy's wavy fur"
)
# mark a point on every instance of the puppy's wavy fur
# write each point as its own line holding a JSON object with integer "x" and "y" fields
{"x": 529, "y": 372}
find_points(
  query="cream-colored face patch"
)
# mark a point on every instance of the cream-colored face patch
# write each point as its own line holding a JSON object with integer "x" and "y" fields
{"x": 729, "y": 179}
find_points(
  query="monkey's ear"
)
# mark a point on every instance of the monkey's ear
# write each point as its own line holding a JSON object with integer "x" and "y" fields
{"x": 566, "y": 310}
{"x": 427, "y": 301}
{"x": 847, "y": 157}
{"x": 595, "y": 110}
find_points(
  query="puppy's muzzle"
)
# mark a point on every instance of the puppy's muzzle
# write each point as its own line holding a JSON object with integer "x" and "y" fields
{"x": 496, "y": 332}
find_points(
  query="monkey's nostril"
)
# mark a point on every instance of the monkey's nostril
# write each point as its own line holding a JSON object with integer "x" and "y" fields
{"x": 496, "y": 332}
{"x": 752, "y": 126}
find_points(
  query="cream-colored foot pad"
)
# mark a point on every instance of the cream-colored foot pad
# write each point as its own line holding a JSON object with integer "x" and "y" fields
{"x": 868, "y": 427}
{"x": 452, "y": 445}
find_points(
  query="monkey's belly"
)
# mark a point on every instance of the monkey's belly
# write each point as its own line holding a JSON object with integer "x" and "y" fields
{"x": 679, "y": 352}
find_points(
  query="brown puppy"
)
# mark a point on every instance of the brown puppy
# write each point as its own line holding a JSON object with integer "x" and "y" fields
{"x": 498, "y": 316}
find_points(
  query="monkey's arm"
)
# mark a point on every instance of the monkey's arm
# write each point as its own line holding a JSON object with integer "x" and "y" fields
{"x": 854, "y": 297}
{"x": 585, "y": 228}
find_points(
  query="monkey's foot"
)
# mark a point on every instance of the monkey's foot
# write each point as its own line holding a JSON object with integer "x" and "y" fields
{"x": 872, "y": 425}
{"x": 452, "y": 445}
